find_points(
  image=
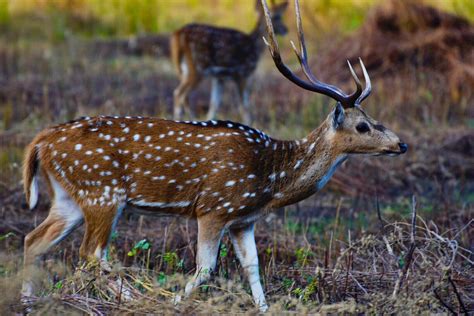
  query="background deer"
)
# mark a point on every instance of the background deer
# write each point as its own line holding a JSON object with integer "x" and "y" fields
{"x": 223, "y": 174}
{"x": 200, "y": 51}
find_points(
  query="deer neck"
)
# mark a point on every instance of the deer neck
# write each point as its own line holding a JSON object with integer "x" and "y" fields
{"x": 258, "y": 32}
{"x": 303, "y": 167}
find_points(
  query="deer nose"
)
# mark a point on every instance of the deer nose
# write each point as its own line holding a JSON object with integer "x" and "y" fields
{"x": 403, "y": 147}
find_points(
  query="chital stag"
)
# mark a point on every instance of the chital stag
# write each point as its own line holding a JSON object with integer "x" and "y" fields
{"x": 200, "y": 51}
{"x": 224, "y": 174}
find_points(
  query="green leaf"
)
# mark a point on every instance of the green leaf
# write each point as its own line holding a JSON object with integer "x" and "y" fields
{"x": 162, "y": 278}
{"x": 223, "y": 253}
{"x": 58, "y": 285}
{"x": 7, "y": 235}
{"x": 401, "y": 261}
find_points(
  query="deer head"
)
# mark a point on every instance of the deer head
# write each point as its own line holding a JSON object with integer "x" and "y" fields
{"x": 275, "y": 12}
{"x": 352, "y": 130}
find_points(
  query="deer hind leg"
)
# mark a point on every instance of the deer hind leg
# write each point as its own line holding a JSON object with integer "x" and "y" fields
{"x": 244, "y": 102}
{"x": 209, "y": 237}
{"x": 64, "y": 216}
{"x": 216, "y": 96}
{"x": 100, "y": 222}
{"x": 244, "y": 244}
{"x": 189, "y": 80}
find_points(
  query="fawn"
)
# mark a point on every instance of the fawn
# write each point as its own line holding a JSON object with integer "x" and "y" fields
{"x": 224, "y": 174}
{"x": 200, "y": 51}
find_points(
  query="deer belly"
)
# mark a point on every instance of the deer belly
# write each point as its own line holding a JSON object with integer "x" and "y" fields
{"x": 160, "y": 209}
{"x": 226, "y": 71}
{"x": 161, "y": 194}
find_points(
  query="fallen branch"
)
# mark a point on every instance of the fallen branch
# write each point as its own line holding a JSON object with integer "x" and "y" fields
{"x": 442, "y": 302}
{"x": 458, "y": 296}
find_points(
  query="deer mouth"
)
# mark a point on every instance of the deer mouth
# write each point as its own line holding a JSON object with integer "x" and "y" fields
{"x": 403, "y": 148}
{"x": 391, "y": 153}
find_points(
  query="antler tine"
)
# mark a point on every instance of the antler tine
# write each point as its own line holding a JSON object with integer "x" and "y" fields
{"x": 272, "y": 44}
{"x": 353, "y": 97}
{"x": 354, "y": 75}
{"x": 368, "y": 84}
{"x": 302, "y": 57}
{"x": 302, "y": 54}
{"x": 358, "y": 92}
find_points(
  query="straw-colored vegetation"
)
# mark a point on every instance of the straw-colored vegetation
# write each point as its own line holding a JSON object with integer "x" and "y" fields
{"x": 126, "y": 17}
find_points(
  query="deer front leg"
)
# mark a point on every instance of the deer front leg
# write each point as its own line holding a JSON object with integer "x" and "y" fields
{"x": 246, "y": 250}
{"x": 209, "y": 237}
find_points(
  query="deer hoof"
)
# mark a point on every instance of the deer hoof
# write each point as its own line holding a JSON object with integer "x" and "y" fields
{"x": 263, "y": 308}
{"x": 176, "y": 299}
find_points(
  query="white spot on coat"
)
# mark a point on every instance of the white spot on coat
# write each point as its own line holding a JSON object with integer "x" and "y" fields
{"x": 298, "y": 164}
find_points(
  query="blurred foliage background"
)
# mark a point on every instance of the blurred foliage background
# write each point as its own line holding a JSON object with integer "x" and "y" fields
{"x": 127, "y": 17}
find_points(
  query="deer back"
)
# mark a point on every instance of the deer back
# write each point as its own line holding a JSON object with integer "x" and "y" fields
{"x": 178, "y": 167}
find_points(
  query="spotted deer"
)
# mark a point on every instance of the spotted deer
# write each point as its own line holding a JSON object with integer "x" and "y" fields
{"x": 225, "y": 175}
{"x": 200, "y": 51}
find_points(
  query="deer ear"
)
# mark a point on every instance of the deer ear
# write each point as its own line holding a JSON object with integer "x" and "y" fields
{"x": 338, "y": 115}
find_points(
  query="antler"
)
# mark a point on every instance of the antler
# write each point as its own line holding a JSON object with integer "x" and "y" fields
{"x": 368, "y": 85}
{"x": 314, "y": 85}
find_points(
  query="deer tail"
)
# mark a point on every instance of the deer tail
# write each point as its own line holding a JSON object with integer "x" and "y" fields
{"x": 30, "y": 177}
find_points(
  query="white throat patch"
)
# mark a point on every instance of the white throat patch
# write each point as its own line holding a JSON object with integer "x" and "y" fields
{"x": 339, "y": 160}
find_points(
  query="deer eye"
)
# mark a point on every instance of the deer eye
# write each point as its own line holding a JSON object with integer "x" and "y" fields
{"x": 362, "y": 127}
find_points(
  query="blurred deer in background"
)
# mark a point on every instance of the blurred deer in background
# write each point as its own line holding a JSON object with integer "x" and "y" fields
{"x": 199, "y": 51}
{"x": 223, "y": 174}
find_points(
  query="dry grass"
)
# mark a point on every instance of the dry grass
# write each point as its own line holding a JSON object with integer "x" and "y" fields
{"x": 397, "y": 268}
